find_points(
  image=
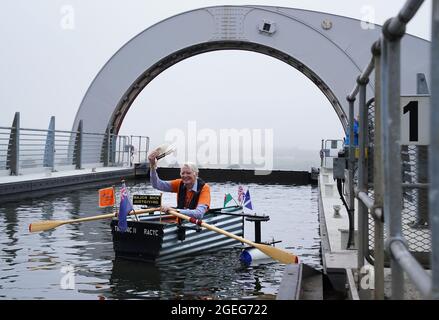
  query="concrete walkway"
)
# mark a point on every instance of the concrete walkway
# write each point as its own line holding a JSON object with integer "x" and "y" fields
{"x": 340, "y": 264}
{"x": 32, "y": 184}
{"x": 334, "y": 253}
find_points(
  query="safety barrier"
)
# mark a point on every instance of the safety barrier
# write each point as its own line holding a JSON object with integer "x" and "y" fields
{"x": 26, "y": 150}
{"x": 397, "y": 183}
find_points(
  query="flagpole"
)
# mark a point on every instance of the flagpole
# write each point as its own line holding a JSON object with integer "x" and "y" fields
{"x": 160, "y": 213}
{"x": 240, "y": 195}
{"x": 125, "y": 207}
{"x": 114, "y": 195}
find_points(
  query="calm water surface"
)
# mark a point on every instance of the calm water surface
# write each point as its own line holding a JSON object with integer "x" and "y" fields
{"x": 35, "y": 265}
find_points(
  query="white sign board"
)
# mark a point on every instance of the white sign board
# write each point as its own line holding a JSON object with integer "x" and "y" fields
{"x": 415, "y": 120}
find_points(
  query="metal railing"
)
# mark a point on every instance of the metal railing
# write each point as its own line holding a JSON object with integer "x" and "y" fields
{"x": 140, "y": 148}
{"x": 398, "y": 190}
{"x": 33, "y": 150}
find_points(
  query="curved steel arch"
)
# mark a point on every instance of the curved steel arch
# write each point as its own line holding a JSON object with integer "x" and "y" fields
{"x": 330, "y": 50}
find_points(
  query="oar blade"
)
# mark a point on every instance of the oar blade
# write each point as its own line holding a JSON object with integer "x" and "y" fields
{"x": 38, "y": 226}
{"x": 277, "y": 254}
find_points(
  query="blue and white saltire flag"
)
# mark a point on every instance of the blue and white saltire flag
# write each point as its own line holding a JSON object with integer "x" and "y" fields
{"x": 247, "y": 201}
{"x": 124, "y": 209}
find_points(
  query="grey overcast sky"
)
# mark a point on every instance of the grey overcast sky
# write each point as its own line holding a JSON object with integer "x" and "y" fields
{"x": 46, "y": 70}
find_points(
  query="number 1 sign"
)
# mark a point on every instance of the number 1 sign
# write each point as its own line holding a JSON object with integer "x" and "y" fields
{"x": 415, "y": 120}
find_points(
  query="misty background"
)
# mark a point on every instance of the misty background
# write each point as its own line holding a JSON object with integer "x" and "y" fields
{"x": 47, "y": 68}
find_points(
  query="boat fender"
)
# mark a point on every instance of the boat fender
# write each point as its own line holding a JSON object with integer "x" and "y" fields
{"x": 250, "y": 255}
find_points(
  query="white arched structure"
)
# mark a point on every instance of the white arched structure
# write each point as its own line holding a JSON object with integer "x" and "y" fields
{"x": 330, "y": 50}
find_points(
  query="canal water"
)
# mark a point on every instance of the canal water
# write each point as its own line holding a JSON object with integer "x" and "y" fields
{"x": 77, "y": 261}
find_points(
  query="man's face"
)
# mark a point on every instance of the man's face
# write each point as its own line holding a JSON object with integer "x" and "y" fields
{"x": 188, "y": 176}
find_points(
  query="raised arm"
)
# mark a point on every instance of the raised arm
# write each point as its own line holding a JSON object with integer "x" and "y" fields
{"x": 157, "y": 183}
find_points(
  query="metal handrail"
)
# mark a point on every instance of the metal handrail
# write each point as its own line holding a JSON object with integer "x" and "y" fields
{"x": 364, "y": 76}
{"x": 389, "y": 91}
{"x": 41, "y": 148}
{"x": 434, "y": 151}
{"x": 419, "y": 277}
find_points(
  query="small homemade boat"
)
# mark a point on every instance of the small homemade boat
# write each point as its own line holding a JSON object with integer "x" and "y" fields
{"x": 162, "y": 237}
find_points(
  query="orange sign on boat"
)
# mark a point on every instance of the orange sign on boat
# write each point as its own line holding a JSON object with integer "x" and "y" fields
{"x": 106, "y": 197}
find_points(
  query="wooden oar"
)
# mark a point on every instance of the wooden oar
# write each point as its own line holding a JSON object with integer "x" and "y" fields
{"x": 275, "y": 253}
{"x": 51, "y": 224}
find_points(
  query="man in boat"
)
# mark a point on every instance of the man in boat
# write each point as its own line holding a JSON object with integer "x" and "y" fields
{"x": 193, "y": 194}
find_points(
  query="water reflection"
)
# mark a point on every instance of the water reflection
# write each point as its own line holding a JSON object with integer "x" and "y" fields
{"x": 9, "y": 224}
{"x": 134, "y": 279}
{"x": 31, "y": 263}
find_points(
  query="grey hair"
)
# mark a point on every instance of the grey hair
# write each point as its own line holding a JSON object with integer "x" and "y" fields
{"x": 191, "y": 166}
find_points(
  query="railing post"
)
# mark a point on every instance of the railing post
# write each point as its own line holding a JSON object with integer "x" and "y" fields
{"x": 140, "y": 147}
{"x": 434, "y": 152}
{"x": 391, "y": 137}
{"x": 363, "y": 212}
{"x": 378, "y": 180}
{"x": 147, "y": 149}
{"x": 124, "y": 149}
{"x": 118, "y": 142}
{"x": 13, "y": 157}
{"x": 49, "y": 149}
{"x": 134, "y": 149}
{"x": 113, "y": 139}
{"x": 422, "y": 164}
{"x": 106, "y": 148}
{"x": 351, "y": 165}
{"x": 78, "y": 147}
